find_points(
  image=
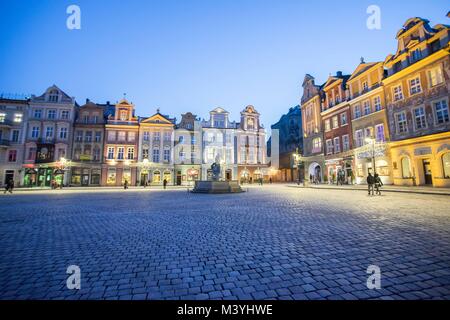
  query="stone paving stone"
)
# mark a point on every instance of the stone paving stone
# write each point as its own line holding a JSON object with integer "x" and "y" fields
{"x": 271, "y": 243}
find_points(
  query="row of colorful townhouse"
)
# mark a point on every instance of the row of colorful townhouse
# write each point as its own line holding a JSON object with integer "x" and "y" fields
{"x": 391, "y": 116}
{"x": 50, "y": 140}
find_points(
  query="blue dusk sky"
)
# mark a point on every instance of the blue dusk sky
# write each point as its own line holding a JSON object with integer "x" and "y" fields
{"x": 195, "y": 55}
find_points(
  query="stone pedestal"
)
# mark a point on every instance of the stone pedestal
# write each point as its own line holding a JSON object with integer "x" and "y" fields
{"x": 217, "y": 187}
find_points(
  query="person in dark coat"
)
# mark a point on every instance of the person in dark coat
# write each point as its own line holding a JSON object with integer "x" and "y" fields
{"x": 165, "y": 183}
{"x": 125, "y": 185}
{"x": 378, "y": 184}
{"x": 370, "y": 183}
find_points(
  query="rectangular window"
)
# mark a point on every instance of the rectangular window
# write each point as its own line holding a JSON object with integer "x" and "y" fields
{"x": 377, "y": 103}
{"x": 98, "y": 136}
{"x": 110, "y": 153}
{"x": 337, "y": 145}
{"x": 120, "y": 153}
{"x": 419, "y": 118}
{"x": 88, "y": 136}
{"x": 79, "y": 136}
{"x": 63, "y": 133}
{"x": 35, "y": 132}
{"x": 343, "y": 119}
{"x": 111, "y": 136}
{"x": 398, "y": 93}
{"x": 329, "y": 146}
{"x": 167, "y": 136}
{"x": 146, "y": 136}
{"x": 65, "y": 115}
{"x": 317, "y": 145}
{"x": 167, "y": 155}
{"x": 435, "y": 76}
{"x": 18, "y": 117}
{"x": 335, "y": 122}
{"x": 156, "y": 136}
{"x": 122, "y": 136}
{"x": 441, "y": 109}
{"x": 38, "y": 113}
{"x": 379, "y": 130}
{"x": 402, "y": 124}
{"x": 357, "y": 111}
{"x": 327, "y": 125}
{"x": 131, "y": 136}
{"x": 414, "y": 86}
{"x": 359, "y": 138}
{"x": 49, "y": 132}
{"x": 12, "y": 156}
{"x": 31, "y": 154}
{"x": 111, "y": 178}
{"x": 130, "y": 155}
{"x": 345, "y": 143}
{"x": 156, "y": 155}
{"x": 51, "y": 114}
{"x": 366, "y": 107}
{"x": 145, "y": 153}
{"x": 15, "y": 136}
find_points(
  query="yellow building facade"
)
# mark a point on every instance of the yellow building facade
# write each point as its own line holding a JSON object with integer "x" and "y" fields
{"x": 417, "y": 91}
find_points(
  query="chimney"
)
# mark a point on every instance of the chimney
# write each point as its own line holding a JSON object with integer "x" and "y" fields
{"x": 339, "y": 74}
{"x": 87, "y": 101}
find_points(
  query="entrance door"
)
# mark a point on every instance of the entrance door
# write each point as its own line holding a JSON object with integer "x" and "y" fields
{"x": 228, "y": 175}
{"x": 179, "y": 178}
{"x": 427, "y": 172}
{"x": 85, "y": 180}
{"x": 144, "y": 178}
{"x": 9, "y": 175}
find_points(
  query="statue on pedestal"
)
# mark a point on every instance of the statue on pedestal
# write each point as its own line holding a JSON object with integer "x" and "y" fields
{"x": 216, "y": 170}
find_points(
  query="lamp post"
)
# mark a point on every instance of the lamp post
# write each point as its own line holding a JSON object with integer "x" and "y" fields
{"x": 297, "y": 160}
{"x": 371, "y": 142}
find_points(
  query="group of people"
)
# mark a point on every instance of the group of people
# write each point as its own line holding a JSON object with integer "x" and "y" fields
{"x": 126, "y": 184}
{"x": 374, "y": 183}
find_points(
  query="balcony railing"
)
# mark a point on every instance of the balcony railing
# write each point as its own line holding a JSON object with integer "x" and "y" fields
{"x": 4, "y": 143}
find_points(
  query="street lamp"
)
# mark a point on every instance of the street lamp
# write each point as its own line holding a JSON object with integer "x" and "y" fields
{"x": 297, "y": 160}
{"x": 371, "y": 141}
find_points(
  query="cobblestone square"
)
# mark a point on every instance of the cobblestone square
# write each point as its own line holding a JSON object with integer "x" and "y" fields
{"x": 272, "y": 242}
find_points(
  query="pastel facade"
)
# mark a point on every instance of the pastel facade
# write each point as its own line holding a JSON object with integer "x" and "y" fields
{"x": 13, "y": 121}
{"x": 48, "y": 140}
{"x": 88, "y": 145}
{"x": 370, "y": 129}
{"x": 417, "y": 92}
{"x": 156, "y": 152}
{"x": 336, "y": 122}
{"x": 188, "y": 150}
{"x": 219, "y": 138}
{"x": 251, "y": 146}
{"x": 313, "y": 135}
{"x": 121, "y": 146}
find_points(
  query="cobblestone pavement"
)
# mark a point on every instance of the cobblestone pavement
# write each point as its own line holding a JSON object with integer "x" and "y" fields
{"x": 272, "y": 242}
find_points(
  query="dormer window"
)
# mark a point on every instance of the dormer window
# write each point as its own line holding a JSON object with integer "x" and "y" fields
{"x": 365, "y": 86}
{"x": 53, "y": 96}
{"x": 416, "y": 55}
{"x": 250, "y": 124}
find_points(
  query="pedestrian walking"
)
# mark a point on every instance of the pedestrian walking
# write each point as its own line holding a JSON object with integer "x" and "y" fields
{"x": 370, "y": 183}
{"x": 165, "y": 184}
{"x": 378, "y": 184}
{"x": 270, "y": 180}
{"x": 11, "y": 186}
{"x": 125, "y": 185}
{"x": 7, "y": 186}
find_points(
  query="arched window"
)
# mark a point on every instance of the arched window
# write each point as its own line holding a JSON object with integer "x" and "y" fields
{"x": 156, "y": 177}
{"x": 446, "y": 165}
{"x": 406, "y": 168}
{"x": 167, "y": 176}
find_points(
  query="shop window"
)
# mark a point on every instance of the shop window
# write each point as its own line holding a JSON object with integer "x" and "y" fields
{"x": 382, "y": 168}
{"x": 167, "y": 176}
{"x": 156, "y": 177}
{"x": 406, "y": 168}
{"x": 126, "y": 176}
{"x": 111, "y": 178}
{"x": 446, "y": 165}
